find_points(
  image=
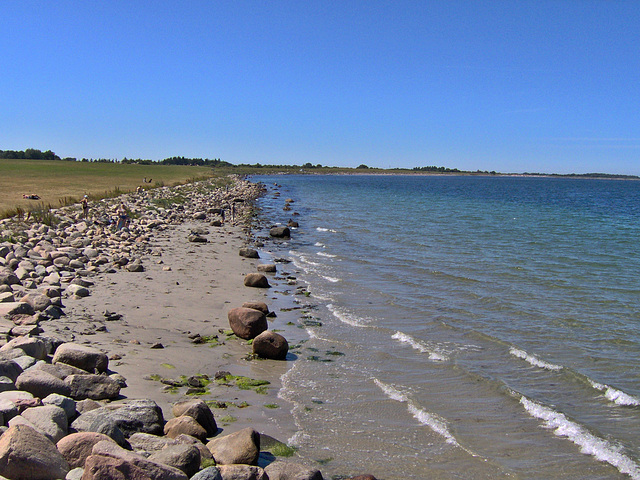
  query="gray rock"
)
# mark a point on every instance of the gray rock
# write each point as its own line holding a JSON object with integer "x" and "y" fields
{"x": 50, "y": 420}
{"x": 242, "y": 447}
{"x": 34, "y": 347}
{"x": 95, "y": 387}
{"x": 67, "y": 404}
{"x": 15, "y": 308}
{"x": 28, "y": 454}
{"x": 87, "y": 358}
{"x": 267, "y": 268}
{"x": 209, "y": 473}
{"x": 41, "y": 384}
{"x": 280, "y": 470}
{"x": 131, "y": 417}
{"x": 78, "y": 290}
{"x": 6, "y": 384}
{"x": 241, "y": 472}
{"x": 100, "y": 467}
{"x": 181, "y": 456}
{"x": 9, "y": 368}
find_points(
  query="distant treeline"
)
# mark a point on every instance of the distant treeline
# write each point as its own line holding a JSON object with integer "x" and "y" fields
{"x": 35, "y": 154}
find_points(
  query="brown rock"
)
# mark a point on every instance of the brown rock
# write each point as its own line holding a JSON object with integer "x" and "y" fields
{"x": 98, "y": 467}
{"x": 247, "y": 323}
{"x": 270, "y": 345}
{"x": 241, "y": 472}
{"x": 256, "y": 280}
{"x": 198, "y": 410}
{"x": 280, "y": 470}
{"x": 267, "y": 267}
{"x": 94, "y": 387}
{"x": 40, "y": 384}
{"x": 242, "y": 447}
{"x": 261, "y": 306}
{"x": 75, "y": 448}
{"x": 183, "y": 457}
{"x": 26, "y": 454}
{"x": 185, "y": 425}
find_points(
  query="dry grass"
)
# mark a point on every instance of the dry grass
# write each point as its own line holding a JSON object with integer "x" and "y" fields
{"x": 60, "y": 183}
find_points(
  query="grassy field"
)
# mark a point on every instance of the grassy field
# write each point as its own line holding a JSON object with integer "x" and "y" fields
{"x": 59, "y": 183}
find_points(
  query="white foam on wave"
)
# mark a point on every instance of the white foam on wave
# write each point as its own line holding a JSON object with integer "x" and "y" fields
{"x": 616, "y": 396}
{"x": 322, "y": 229}
{"x": 328, "y": 255}
{"x": 318, "y": 244}
{"x": 419, "y": 346}
{"x": 533, "y": 360}
{"x": 430, "y": 420}
{"x": 331, "y": 279}
{"x": 346, "y": 317}
{"x": 589, "y": 444}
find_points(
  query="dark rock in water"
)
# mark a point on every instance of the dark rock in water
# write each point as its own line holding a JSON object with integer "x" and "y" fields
{"x": 293, "y": 224}
{"x": 249, "y": 253}
{"x": 271, "y": 345}
{"x": 280, "y": 232}
{"x": 247, "y": 323}
{"x": 363, "y": 477}
{"x": 256, "y": 280}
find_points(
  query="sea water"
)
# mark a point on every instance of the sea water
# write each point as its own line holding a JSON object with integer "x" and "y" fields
{"x": 464, "y": 326}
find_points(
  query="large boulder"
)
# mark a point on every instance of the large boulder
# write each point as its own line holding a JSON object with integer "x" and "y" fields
{"x": 98, "y": 467}
{"x": 9, "y": 368}
{"x": 280, "y": 470}
{"x": 256, "y": 280}
{"x": 41, "y": 384}
{"x": 87, "y": 358}
{"x": 95, "y": 387}
{"x": 199, "y": 411}
{"x": 209, "y": 473}
{"x": 153, "y": 470}
{"x": 183, "y": 457}
{"x": 247, "y": 323}
{"x": 134, "y": 416}
{"x": 241, "y": 447}
{"x": 47, "y": 419}
{"x": 31, "y": 346}
{"x": 241, "y": 472}
{"x": 185, "y": 425}
{"x": 26, "y": 454}
{"x": 75, "y": 448}
{"x": 270, "y": 345}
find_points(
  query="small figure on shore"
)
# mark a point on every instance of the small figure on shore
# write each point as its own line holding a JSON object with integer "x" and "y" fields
{"x": 85, "y": 206}
{"x": 31, "y": 196}
{"x": 233, "y": 212}
{"x": 139, "y": 189}
{"x": 123, "y": 217}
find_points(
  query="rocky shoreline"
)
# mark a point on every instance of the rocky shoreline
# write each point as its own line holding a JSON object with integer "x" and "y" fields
{"x": 93, "y": 309}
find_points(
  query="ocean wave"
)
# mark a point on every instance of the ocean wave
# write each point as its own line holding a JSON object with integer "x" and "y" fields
{"x": 328, "y": 255}
{"x": 318, "y": 244}
{"x": 430, "y": 420}
{"x": 346, "y": 317}
{"x": 322, "y": 229}
{"x": 616, "y": 396}
{"x": 331, "y": 279}
{"x": 419, "y": 346}
{"x": 589, "y": 444}
{"x": 533, "y": 360}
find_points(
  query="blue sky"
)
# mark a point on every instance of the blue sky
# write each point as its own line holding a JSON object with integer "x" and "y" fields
{"x": 511, "y": 86}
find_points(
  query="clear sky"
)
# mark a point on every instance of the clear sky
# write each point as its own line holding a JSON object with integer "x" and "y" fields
{"x": 511, "y": 86}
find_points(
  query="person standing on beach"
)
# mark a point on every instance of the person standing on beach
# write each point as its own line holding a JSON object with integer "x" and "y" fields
{"x": 85, "y": 206}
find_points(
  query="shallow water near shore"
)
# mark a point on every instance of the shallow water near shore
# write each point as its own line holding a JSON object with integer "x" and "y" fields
{"x": 465, "y": 327}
